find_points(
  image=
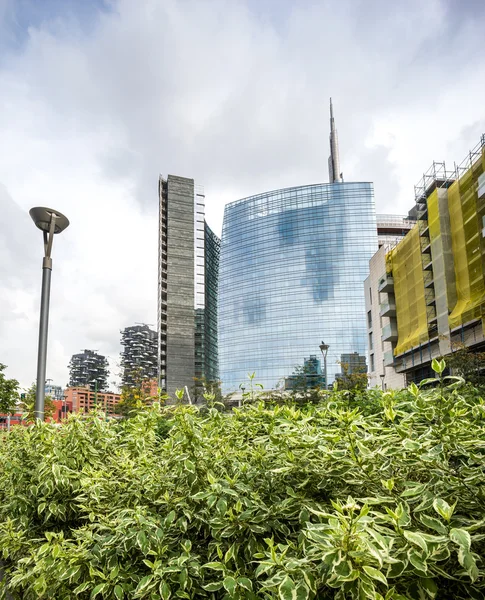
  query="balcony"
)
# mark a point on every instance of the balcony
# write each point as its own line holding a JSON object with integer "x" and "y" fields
{"x": 427, "y": 262}
{"x": 425, "y": 243}
{"x": 389, "y": 333}
{"x": 388, "y": 358}
{"x": 388, "y": 309}
{"x": 386, "y": 284}
{"x": 429, "y": 297}
{"x": 428, "y": 279}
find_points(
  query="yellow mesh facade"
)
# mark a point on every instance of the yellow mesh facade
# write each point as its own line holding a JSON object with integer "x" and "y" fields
{"x": 466, "y": 212}
{"x": 407, "y": 271}
{"x": 433, "y": 216}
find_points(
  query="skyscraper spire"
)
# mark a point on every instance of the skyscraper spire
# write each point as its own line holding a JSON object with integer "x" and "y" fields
{"x": 334, "y": 174}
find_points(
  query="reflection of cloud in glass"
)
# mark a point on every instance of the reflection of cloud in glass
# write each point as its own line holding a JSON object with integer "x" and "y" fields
{"x": 293, "y": 264}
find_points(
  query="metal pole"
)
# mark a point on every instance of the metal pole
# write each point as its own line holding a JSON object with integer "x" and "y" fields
{"x": 325, "y": 369}
{"x": 43, "y": 328}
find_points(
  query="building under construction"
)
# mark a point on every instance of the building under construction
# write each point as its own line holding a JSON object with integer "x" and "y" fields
{"x": 89, "y": 369}
{"x": 432, "y": 288}
{"x": 139, "y": 355}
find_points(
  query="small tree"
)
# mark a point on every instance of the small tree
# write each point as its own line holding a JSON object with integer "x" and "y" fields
{"x": 27, "y": 405}
{"x": 352, "y": 379}
{"x": 137, "y": 396}
{"x": 9, "y": 392}
{"x": 467, "y": 364}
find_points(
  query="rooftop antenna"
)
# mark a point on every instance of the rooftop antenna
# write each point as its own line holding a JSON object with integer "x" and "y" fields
{"x": 334, "y": 173}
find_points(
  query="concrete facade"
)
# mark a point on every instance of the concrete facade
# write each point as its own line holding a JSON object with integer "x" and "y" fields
{"x": 381, "y": 373}
{"x": 176, "y": 284}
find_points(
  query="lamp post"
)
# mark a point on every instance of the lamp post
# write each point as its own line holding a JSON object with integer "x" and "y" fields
{"x": 324, "y": 350}
{"x": 50, "y": 222}
{"x": 382, "y": 376}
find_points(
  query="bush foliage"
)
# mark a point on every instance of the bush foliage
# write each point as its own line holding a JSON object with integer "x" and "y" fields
{"x": 320, "y": 501}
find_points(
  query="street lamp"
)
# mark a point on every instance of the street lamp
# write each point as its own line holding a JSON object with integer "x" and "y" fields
{"x": 324, "y": 350}
{"x": 382, "y": 376}
{"x": 50, "y": 222}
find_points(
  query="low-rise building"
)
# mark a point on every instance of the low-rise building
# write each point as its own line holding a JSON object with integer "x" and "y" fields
{"x": 83, "y": 399}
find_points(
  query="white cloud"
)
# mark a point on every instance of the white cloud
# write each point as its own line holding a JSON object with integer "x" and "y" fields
{"x": 232, "y": 93}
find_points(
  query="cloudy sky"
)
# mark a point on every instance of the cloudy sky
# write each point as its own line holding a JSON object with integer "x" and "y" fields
{"x": 97, "y": 97}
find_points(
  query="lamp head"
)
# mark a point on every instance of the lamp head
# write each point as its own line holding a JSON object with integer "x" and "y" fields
{"x": 42, "y": 218}
{"x": 324, "y": 347}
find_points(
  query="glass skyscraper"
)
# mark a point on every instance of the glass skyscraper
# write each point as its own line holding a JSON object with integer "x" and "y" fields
{"x": 292, "y": 267}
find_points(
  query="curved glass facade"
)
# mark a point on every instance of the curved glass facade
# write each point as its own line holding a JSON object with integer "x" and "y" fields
{"x": 292, "y": 268}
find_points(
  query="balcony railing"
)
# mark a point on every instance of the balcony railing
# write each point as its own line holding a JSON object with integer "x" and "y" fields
{"x": 389, "y": 333}
{"x": 388, "y": 309}
{"x": 388, "y": 358}
{"x": 386, "y": 283}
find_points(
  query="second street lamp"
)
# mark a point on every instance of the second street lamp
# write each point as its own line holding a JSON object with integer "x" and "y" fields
{"x": 324, "y": 350}
{"x": 50, "y": 222}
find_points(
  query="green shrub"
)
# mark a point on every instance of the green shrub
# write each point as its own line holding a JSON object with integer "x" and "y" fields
{"x": 264, "y": 502}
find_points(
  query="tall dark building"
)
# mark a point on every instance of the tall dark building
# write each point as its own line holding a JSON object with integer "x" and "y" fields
{"x": 89, "y": 369}
{"x": 187, "y": 277}
{"x": 206, "y": 349}
{"x": 139, "y": 355}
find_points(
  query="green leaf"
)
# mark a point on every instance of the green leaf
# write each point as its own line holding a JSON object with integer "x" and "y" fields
{"x": 189, "y": 466}
{"x": 434, "y": 524}
{"x": 83, "y": 587}
{"x": 144, "y": 583}
{"x": 98, "y": 590}
{"x": 221, "y": 506}
{"x": 411, "y": 445}
{"x": 417, "y": 539}
{"x": 375, "y": 574}
{"x": 302, "y": 591}
{"x": 396, "y": 568}
{"x": 417, "y": 561}
{"x": 229, "y": 584}
{"x": 213, "y": 587}
{"x": 263, "y": 567}
{"x": 415, "y": 490}
{"x": 438, "y": 366}
{"x": 462, "y": 538}
{"x": 245, "y": 583}
{"x": 118, "y": 592}
{"x": 287, "y": 589}
{"x": 217, "y": 566}
{"x": 443, "y": 508}
{"x": 164, "y": 590}
{"x": 467, "y": 560}
{"x": 141, "y": 540}
{"x": 170, "y": 518}
{"x": 429, "y": 586}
